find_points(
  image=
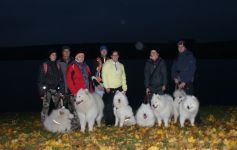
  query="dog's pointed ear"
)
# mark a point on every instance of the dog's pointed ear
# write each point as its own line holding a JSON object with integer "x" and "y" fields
{"x": 158, "y": 96}
{"x": 60, "y": 112}
{"x": 86, "y": 91}
{"x": 79, "y": 92}
{"x": 117, "y": 92}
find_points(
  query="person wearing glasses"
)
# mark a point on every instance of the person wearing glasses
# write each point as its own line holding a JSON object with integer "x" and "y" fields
{"x": 114, "y": 79}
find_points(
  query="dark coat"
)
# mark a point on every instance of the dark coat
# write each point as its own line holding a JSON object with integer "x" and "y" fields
{"x": 184, "y": 67}
{"x": 63, "y": 67}
{"x": 155, "y": 81}
{"x": 50, "y": 76}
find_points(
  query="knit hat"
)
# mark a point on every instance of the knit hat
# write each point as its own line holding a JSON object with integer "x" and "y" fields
{"x": 104, "y": 47}
{"x": 79, "y": 52}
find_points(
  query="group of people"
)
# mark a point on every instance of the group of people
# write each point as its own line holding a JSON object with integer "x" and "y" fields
{"x": 67, "y": 76}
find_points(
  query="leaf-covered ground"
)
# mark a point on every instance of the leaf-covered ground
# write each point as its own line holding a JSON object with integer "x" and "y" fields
{"x": 218, "y": 131}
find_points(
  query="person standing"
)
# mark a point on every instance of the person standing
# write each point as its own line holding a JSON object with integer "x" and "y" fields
{"x": 98, "y": 64}
{"x": 114, "y": 78}
{"x": 50, "y": 83}
{"x": 155, "y": 72}
{"x": 68, "y": 99}
{"x": 78, "y": 75}
{"x": 183, "y": 71}
{"x": 64, "y": 62}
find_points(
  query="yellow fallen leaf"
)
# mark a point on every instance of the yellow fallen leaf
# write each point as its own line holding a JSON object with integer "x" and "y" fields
{"x": 211, "y": 118}
{"x": 153, "y": 148}
{"x": 191, "y": 139}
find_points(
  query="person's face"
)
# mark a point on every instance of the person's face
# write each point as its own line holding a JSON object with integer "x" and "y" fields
{"x": 115, "y": 56}
{"x": 53, "y": 56}
{"x": 181, "y": 48}
{"x": 80, "y": 57}
{"x": 154, "y": 55}
{"x": 103, "y": 52}
{"x": 66, "y": 53}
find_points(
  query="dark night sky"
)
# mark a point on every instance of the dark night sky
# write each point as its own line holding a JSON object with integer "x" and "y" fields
{"x": 39, "y": 22}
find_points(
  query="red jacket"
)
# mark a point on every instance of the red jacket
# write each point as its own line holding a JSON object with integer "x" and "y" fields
{"x": 75, "y": 80}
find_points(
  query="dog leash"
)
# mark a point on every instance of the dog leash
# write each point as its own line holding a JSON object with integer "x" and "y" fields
{"x": 147, "y": 98}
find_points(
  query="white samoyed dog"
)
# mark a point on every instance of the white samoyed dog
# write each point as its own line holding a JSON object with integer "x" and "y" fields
{"x": 188, "y": 110}
{"x": 89, "y": 107}
{"x": 162, "y": 106}
{"x": 122, "y": 111}
{"x": 179, "y": 96}
{"x": 145, "y": 116}
{"x": 58, "y": 121}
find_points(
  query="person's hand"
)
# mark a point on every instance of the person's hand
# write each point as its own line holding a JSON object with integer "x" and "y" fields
{"x": 176, "y": 81}
{"x": 147, "y": 91}
{"x": 124, "y": 92}
{"x": 61, "y": 95}
{"x": 100, "y": 87}
{"x": 43, "y": 97}
{"x": 182, "y": 85}
{"x": 107, "y": 90}
{"x": 98, "y": 79}
{"x": 163, "y": 88}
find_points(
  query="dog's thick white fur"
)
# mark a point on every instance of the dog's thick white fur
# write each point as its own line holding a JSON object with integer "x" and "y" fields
{"x": 89, "y": 107}
{"x": 179, "y": 96}
{"x": 145, "y": 116}
{"x": 122, "y": 111}
{"x": 58, "y": 121}
{"x": 188, "y": 110}
{"x": 162, "y": 106}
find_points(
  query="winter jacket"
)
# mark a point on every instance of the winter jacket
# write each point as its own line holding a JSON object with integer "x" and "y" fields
{"x": 155, "y": 80}
{"x": 112, "y": 77}
{"x": 184, "y": 67}
{"x": 63, "y": 66}
{"x": 76, "y": 79}
{"x": 50, "y": 76}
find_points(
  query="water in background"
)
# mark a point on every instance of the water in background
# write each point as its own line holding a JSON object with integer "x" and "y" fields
{"x": 215, "y": 83}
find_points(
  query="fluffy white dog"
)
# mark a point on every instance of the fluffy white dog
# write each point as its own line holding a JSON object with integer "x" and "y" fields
{"x": 122, "y": 111}
{"x": 188, "y": 109}
{"x": 89, "y": 107}
{"x": 179, "y": 96}
{"x": 145, "y": 116}
{"x": 58, "y": 121}
{"x": 162, "y": 106}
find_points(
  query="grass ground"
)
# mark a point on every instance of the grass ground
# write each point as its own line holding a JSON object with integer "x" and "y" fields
{"x": 218, "y": 131}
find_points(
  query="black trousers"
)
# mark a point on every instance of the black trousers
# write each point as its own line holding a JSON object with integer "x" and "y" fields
{"x": 108, "y": 109}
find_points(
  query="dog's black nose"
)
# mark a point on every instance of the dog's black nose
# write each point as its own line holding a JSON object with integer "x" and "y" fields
{"x": 188, "y": 107}
{"x": 119, "y": 100}
{"x": 145, "y": 116}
